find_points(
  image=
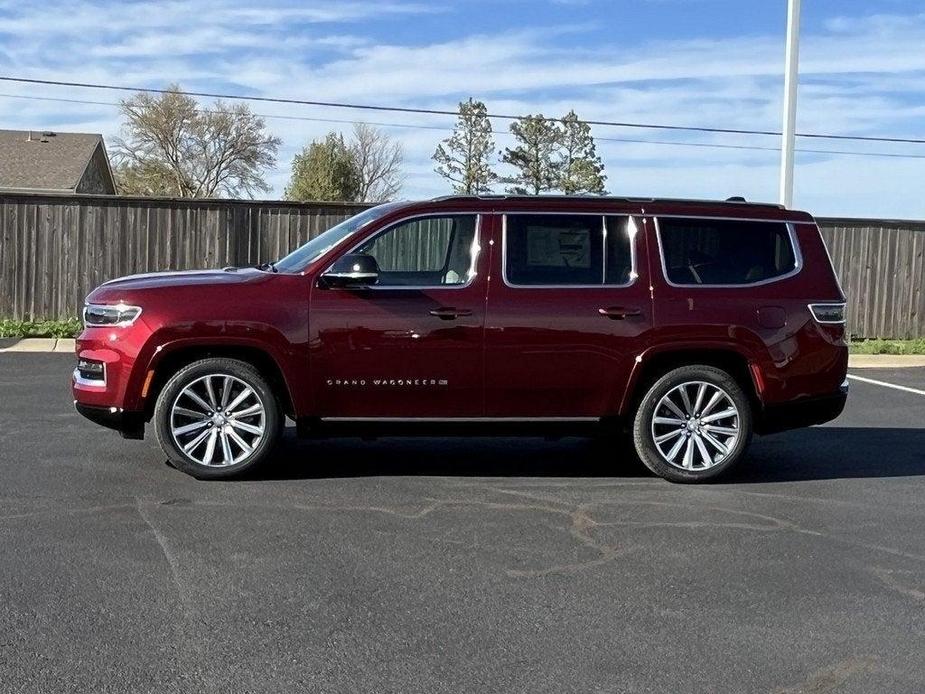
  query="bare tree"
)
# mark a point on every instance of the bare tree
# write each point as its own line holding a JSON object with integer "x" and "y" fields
{"x": 148, "y": 179}
{"x": 171, "y": 146}
{"x": 378, "y": 159}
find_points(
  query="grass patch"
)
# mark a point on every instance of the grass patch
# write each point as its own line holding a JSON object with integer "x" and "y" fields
{"x": 916, "y": 346}
{"x": 71, "y": 327}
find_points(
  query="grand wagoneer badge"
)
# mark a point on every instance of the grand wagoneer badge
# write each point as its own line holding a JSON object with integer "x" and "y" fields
{"x": 387, "y": 382}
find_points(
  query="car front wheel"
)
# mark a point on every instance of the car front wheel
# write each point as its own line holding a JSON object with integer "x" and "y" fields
{"x": 693, "y": 424}
{"x": 216, "y": 418}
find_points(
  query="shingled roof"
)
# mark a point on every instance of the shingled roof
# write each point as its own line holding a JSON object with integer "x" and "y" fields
{"x": 41, "y": 161}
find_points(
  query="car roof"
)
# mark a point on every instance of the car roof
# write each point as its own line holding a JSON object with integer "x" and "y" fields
{"x": 733, "y": 208}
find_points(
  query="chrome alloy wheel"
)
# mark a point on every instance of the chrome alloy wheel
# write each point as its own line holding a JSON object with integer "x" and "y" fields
{"x": 695, "y": 426}
{"x": 217, "y": 420}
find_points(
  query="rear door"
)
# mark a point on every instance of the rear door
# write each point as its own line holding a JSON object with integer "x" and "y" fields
{"x": 569, "y": 308}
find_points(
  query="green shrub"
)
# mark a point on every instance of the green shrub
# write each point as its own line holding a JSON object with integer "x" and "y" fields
{"x": 878, "y": 346}
{"x": 70, "y": 327}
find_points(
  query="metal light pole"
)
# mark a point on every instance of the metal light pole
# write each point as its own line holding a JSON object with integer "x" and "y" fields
{"x": 791, "y": 78}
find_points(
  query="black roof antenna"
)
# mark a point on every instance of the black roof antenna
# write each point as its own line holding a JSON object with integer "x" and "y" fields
{"x": 736, "y": 198}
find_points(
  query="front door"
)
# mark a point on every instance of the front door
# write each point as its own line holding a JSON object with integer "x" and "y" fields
{"x": 411, "y": 346}
{"x": 569, "y": 316}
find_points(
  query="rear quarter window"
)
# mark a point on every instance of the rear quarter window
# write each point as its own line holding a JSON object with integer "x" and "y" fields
{"x": 724, "y": 251}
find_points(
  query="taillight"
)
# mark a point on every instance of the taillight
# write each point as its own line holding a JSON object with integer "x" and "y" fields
{"x": 828, "y": 313}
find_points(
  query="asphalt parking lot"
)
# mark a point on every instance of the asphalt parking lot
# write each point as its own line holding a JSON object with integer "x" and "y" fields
{"x": 458, "y": 565}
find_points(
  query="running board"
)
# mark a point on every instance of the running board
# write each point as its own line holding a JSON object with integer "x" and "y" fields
{"x": 548, "y": 427}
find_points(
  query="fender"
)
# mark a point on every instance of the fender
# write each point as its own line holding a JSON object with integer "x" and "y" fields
{"x": 747, "y": 349}
{"x": 290, "y": 360}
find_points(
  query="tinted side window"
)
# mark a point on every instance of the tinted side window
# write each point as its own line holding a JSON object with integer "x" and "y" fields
{"x": 425, "y": 252}
{"x": 566, "y": 250}
{"x": 724, "y": 251}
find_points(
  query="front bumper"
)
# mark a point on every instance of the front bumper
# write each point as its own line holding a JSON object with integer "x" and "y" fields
{"x": 130, "y": 424}
{"x": 803, "y": 412}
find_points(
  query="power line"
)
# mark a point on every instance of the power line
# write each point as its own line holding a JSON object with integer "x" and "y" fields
{"x": 443, "y": 112}
{"x": 421, "y": 126}
{"x": 312, "y": 119}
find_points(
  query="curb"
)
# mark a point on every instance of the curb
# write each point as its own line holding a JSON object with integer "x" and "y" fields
{"x": 885, "y": 361}
{"x": 37, "y": 344}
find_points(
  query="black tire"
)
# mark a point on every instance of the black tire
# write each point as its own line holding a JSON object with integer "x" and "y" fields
{"x": 242, "y": 373}
{"x": 644, "y": 429}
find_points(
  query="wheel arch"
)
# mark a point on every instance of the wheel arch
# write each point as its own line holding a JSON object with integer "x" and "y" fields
{"x": 652, "y": 365}
{"x": 173, "y": 357}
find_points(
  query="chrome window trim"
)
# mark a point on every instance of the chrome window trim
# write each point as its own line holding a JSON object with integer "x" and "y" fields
{"x": 631, "y": 227}
{"x": 791, "y": 233}
{"x": 474, "y": 251}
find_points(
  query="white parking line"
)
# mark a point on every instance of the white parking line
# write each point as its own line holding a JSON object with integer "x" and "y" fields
{"x": 905, "y": 389}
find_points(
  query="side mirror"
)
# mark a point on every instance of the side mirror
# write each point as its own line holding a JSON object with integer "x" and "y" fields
{"x": 352, "y": 270}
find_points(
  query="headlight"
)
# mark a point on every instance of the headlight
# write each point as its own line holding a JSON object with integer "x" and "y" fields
{"x": 114, "y": 315}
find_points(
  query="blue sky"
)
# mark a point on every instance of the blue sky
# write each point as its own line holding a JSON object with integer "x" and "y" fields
{"x": 712, "y": 63}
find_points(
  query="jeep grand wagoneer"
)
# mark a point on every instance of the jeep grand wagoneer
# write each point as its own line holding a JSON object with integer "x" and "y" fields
{"x": 690, "y": 324}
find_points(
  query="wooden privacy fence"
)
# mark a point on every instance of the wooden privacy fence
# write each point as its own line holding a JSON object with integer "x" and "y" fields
{"x": 881, "y": 266}
{"x": 55, "y": 249}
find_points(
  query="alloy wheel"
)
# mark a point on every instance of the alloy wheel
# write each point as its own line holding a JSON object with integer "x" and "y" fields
{"x": 218, "y": 420}
{"x": 695, "y": 426}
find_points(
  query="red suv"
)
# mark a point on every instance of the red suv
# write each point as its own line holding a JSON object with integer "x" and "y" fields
{"x": 690, "y": 324}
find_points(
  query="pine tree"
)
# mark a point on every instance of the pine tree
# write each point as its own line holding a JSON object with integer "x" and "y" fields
{"x": 465, "y": 157}
{"x": 580, "y": 168}
{"x": 325, "y": 170}
{"x": 535, "y": 155}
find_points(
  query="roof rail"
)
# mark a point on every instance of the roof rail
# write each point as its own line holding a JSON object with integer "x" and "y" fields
{"x": 734, "y": 200}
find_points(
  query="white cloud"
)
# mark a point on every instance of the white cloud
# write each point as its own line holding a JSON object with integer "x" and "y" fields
{"x": 858, "y": 75}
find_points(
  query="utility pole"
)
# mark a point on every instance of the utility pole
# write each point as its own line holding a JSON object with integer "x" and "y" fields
{"x": 791, "y": 77}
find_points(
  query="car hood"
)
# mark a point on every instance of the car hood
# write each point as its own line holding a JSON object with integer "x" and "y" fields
{"x": 156, "y": 280}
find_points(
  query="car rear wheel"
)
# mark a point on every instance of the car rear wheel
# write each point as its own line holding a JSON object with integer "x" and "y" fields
{"x": 216, "y": 418}
{"x": 693, "y": 424}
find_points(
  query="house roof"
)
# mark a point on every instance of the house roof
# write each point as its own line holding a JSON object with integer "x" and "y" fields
{"x": 43, "y": 161}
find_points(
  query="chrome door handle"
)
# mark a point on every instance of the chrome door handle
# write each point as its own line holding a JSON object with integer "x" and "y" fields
{"x": 449, "y": 313}
{"x": 619, "y": 312}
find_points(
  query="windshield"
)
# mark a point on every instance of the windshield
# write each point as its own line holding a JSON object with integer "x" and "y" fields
{"x": 321, "y": 244}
